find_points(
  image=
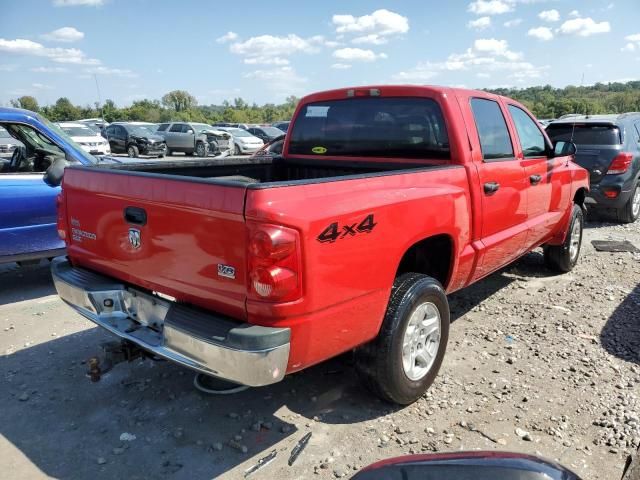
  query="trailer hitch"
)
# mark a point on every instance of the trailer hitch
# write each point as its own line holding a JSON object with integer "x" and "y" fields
{"x": 113, "y": 353}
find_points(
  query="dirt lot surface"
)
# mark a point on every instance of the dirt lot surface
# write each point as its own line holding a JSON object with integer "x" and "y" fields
{"x": 541, "y": 364}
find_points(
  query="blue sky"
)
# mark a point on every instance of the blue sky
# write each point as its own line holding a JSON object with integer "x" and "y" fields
{"x": 265, "y": 51}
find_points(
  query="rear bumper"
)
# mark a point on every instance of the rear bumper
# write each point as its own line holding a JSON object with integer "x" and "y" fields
{"x": 214, "y": 345}
{"x": 619, "y": 183}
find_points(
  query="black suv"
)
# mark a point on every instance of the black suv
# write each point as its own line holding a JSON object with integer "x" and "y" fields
{"x": 134, "y": 140}
{"x": 609, "y": 147}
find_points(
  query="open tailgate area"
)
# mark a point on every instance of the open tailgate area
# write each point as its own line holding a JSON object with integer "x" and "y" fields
{"x": 174, "y": 236}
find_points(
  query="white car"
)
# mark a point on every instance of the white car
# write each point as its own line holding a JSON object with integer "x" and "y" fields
{"x": 243, "y": 141}
{"x": 88, "y": 139}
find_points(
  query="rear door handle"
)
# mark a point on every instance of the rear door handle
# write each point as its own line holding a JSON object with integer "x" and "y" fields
{"x": 491, "y": 187}
{"x": 535, "y": 179}
{"x": 135, "y": 215}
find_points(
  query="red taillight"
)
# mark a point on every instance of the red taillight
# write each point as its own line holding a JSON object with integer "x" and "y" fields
{"x": 620, "y": 163}
{"x": 274, "y": 263}
{"x": 61, "y": 216}
{"x": 611, "y": 193}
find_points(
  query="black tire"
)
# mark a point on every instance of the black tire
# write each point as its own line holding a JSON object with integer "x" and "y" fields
{"x": 380, "y": 362}
{"x": 236, "y": 150}
{"x": 629, "y": 214}
{"x": 161, "y": 155}
{"x": 133, "y": 151}
{"x": 560, "y": 258}
{"x": 201, "y": 149}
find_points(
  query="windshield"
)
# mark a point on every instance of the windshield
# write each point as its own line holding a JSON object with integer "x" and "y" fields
{"x": 202, "y": 126}
{"x": 79, "y": 131}
{"x": 373, "y": 127}
{"x": 78, "y": 151}
{"x": 238, "y": 132}
{"x": 272, "y": 131}
{"x": 584, "y": 134}
{"x": 139, "y": 130}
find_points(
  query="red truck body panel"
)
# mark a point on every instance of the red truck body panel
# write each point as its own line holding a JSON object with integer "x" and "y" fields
{"x": 194, "y": 225}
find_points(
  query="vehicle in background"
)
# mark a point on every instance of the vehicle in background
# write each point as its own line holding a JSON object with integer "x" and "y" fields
{"x": 545, "y": 121}
{"x": 271, "y": 149}
{"x": 152, "y": 127}
{"x": 266, "y": 134}
{"x": 385, "y": 199}
{"x": 243, "y": 141}
{"x": 244, "y": 126}
{"x": 27, "y": 203}
{"x": 97, "y": 124}
{"x": 194, "y": 138}
{"x": 7, "y": 143}
{"x": 284, "y": 126}
{"x": 609, "y": 147}
{"x": 90, "y": 140}
{"x": 134, "y": 140}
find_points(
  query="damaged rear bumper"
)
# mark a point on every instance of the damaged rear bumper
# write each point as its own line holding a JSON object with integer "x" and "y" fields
{"x": 215, "y": 345}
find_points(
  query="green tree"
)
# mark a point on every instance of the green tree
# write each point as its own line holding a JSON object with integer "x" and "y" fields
{"x": 179, "y": 100}
{"x": 27, "y": 102}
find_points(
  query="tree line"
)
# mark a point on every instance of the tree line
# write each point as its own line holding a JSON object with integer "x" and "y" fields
{"x": 544, "y": 101}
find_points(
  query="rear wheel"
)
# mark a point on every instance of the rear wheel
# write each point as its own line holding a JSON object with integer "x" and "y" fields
{"x": 562, "y": 258}
{"x": 631, "y": 210}
{"x": 133, "y": 151}
{"x": 402, "y": 362}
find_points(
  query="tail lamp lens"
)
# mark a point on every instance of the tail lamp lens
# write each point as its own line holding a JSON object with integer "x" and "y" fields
{"x": 620, "y": 163}
{"x": 274, "y": 263}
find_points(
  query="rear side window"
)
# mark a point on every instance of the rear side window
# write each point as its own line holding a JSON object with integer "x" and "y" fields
{"x": 492, "y": 129}
{"x": 386, "y": 127}
{"x": 584, "y": 134}
{"x": 162, "y": 127}
{"x": 531, "y": 138}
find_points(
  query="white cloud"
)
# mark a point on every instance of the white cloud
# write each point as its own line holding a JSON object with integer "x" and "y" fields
{"x": 633, "y": 43}
{"x": 266, "y": 61}
{"x": 116, "y": 72}
{"x": 64, "y": 34}
{"x": 483, "y": 75}
{"x": 78, "y": 3}
{"x": 282, "y": 82}
{"x": 541, "y": 33}
{"x": 21, "y": 46}
{"x": 272, "y": 46}
{"x": 227, "y": 37}
{"x": 574, "y": 13}
{"x": 513, "y": 23}
{"x": 584, "y": 27}
{"x": 49, "y": 69}
{"x": 8, "y": 67}
{"x": 495, "y": 47}
{"x": 549, "y": 15}
{"x": 486, "y": 56}
{"x": 489, "y": 7}
{"x": 480, "y": 23}
{"x": 341, "y": 66}
{"x": 381, "y": 22}
{"x": 41, "y": 86}
{"x": 372, "y": 39}
{"x": 357, "y": 54}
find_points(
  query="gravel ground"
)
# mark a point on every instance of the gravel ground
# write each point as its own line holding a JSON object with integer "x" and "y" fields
{"x": 540, "y": 364}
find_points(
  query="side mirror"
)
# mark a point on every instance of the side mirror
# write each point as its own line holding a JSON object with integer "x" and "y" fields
{"x": 190, "y": 131}
{"x": 562, "y": 149}
{"x": 53, "y": 175}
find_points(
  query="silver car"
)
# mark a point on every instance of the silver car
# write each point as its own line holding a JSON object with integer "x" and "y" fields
{"x": 243, "y": 141}
{"x": 194, "y": 138}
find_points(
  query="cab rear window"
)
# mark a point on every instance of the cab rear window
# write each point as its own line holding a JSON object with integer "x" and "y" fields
{"x": 387, "y": 127}
{"x": 585, "y": 134}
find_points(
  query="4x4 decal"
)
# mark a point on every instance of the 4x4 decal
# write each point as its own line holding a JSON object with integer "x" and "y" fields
{"x": 337, "y": 232}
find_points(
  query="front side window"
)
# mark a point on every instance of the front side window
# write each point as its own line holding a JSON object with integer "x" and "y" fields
{"x": 531, "y": 138}
{"x": 176, "y": 127}
{"x": 386, "y": 127}
{"x": 492, "y": 129}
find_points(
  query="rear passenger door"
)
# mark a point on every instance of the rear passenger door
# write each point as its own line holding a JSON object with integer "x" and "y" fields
{"x": 503, "y": 188}
{"x": 172, "y": 136}
{"x": 548, "y": 178}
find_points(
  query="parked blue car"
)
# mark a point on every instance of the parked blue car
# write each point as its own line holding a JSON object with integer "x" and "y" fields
{"x": 27, "y": 203}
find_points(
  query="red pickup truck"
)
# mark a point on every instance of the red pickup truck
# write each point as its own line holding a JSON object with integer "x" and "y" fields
{"x": 384, "y": 200}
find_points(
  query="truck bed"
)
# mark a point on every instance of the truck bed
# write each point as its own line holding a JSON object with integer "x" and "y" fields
{"x": 261, "y": 172}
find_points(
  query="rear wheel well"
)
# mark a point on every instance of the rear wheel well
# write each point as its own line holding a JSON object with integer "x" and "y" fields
{"x": 579, "y": 197}
{"x": 431, "y": 256}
